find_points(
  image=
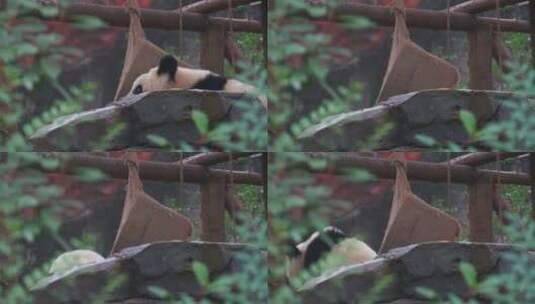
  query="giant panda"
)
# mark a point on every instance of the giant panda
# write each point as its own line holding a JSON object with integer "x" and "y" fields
{"x": 168, "y": 75}
{"x": 331, "y": 247}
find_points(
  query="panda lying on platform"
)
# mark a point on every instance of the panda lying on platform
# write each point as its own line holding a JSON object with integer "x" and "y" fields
{"x": 168, "y": 75}
{"x": 332, "y": 248}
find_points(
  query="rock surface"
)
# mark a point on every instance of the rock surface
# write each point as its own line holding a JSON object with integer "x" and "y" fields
{"x": 434, "y": 113}
{"x": 130, "y": 274}
{"x": 432, "y": 265}
{"x": 162, "y": 113}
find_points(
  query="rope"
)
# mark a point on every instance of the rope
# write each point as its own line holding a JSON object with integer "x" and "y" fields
{"x": 231, "y": 201}
{"x": 180, "y": 31}
{"x": 499, "y": 185}
{"x": 448, "y": 172}
{"x": 498, "y": 36}
{"x": 181, "y": 182}
{"x": 229, "y": 16}
{"x": 448, "y": 32}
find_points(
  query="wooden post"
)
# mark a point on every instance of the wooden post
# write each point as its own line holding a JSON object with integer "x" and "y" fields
{"x": 480, "y": 210}
{"x": 212, "y": 49}
{"x": 213, "y": 210}
{"x": 212, "y": 58}
{"x": 480, "y": 69}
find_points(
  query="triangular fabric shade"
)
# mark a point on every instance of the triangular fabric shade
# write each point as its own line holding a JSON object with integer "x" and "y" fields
{"x": 141, "y": 54}
{"x": 144, "y": 220}
{"x": 411, "y": 68}
{"x": 414, "y": 221}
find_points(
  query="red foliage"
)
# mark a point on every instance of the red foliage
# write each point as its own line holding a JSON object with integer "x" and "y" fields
{"x": 84, "y": 191}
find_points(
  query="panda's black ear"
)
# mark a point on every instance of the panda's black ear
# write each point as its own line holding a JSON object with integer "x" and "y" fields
{"x": 168, "y": 65}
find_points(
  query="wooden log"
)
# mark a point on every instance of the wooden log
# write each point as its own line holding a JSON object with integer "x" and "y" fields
{"x": 480, "y": 210}
{"x": 213, "y": 194}
{"x": 420, "y": 18}
{"x": 151, "y": 170}
{"x": 213, "y": 59}
{"x": 480, "y": 6}
{"x": 480, "y": 41}
{"x": 416, "y": 170}
{"x": 212, "y": 50}
{"x": 212, "y": 6}
{"x": 152, "y": 18}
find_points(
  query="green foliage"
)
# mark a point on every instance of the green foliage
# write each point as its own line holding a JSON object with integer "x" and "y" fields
{"x": 514, "y": 285}
{"x": 291, "y": 186}
{"x": 201, "y": 121}
{"x": 300, "y": 55}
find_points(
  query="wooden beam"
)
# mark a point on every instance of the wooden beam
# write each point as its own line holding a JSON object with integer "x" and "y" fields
{"x": 213, "y": 158}
{"x": 152, "y": 18}
{"x": 429, "y": 19}
{"x": 213, "y": 194}
{"x": 480, "y": 43}
{"x": 150, "y": 170}
{"x": 212, "y": 6}
{"x": 480, "y": 210}
{"x": 416, "y": 170}
{"x": 477, "y": 159}
{"x": 480, "y": 6}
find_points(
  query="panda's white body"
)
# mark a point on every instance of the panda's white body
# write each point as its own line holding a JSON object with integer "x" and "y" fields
{"x": 71, "y": 259}
{"x": 168, "y": 75}
{"x": 344, "y": 251}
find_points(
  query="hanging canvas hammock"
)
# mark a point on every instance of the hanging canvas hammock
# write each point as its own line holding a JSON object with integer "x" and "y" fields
{"x": 411, "y": 68}
{"x": 144, "y": 220}
{"x": 141, "y": 54}
{"x": 414, "y": 221}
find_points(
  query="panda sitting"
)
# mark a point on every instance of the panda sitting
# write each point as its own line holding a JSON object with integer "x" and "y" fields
{"x": 329, "y": 249}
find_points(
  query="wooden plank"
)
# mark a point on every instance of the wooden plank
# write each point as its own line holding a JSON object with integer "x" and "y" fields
{"x": 213, "y": 210}
{"x": 480, "y": 210}
{"x": 480, "y": 70}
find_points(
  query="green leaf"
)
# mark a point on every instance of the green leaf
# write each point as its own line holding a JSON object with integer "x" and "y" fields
{"x": 469, "y": 122}
{"x": 89, "y": 175}
{"x": 469, "y": 274}
{"x": 425, "y": 140}
{"x": 158, "y": 140}
{"x": 158, "y": 292}
{"x": 201, "y": 273}
{"x": 201, "y": 121}
{"x": 88, "y": 22}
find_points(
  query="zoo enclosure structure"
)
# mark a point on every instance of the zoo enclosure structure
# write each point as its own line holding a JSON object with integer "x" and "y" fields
{"x": 461, "y": 170}
{"x": 456, "y": 18}
{"x": 195, "y": 169}
{"x": 192, "y": 17}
